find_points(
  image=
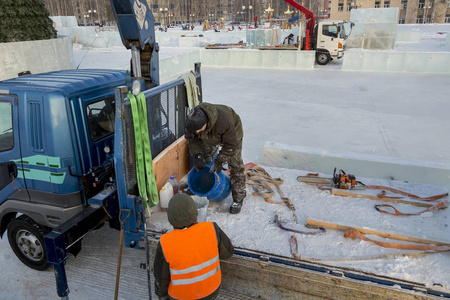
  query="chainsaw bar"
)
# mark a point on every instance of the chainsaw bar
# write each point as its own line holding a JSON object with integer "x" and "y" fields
{"x": 315, "y": 180}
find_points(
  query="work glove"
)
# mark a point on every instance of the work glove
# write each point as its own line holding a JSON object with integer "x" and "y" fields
{"x": 217, "y": 167}
{"x": 199, "y": 162}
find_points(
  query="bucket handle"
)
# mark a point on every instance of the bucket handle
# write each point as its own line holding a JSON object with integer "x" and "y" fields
{"x": 218, "y": 178}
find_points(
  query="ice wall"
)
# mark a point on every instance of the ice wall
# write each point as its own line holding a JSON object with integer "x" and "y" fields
{"x": 35, "y": 56}
{"x": 64, "y": 21}
{"x": 253, "y": 58}
{"x": 412, "y": 36}
{"x": 375, "y": 28}
{"x": 396, "y": 61}
{"x": 364, "y": 165}
{"x": 198, "y": 38}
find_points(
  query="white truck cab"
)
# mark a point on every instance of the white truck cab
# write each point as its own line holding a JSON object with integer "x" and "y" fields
{"x": 329, "y": 40}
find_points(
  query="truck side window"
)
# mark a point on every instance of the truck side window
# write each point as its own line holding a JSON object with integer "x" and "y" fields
{"x": 330, "y": 30}
{"x": 6, "y": 127}
{"x": 100, "y": 117}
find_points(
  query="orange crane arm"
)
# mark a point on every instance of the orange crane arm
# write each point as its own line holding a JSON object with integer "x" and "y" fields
{"x": 309, "y": 25}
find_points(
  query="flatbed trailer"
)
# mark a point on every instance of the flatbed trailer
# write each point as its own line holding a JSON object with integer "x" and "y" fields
{"x": 258, "y": 275}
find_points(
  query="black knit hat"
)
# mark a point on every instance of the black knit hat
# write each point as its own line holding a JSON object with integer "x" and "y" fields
{"x": 182, "y": 211}
{"x": 196, "y": 118}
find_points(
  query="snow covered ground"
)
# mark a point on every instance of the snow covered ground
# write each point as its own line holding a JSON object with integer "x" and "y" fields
{"x": 400, "y": 115}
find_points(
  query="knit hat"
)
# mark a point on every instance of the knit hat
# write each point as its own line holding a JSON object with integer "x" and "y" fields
{"x": 182, "y": 211}
{"x": 196, "y": 118}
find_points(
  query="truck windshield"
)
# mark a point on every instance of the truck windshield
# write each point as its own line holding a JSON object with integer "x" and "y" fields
{"x": 100, "y": 117}
{"x": 343, "y": 33}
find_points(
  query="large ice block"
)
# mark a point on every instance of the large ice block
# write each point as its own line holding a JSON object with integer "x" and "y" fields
{"x": 374, "y": 15}
{"x": 35, "y": 56}
{"x": 375, "y": 28}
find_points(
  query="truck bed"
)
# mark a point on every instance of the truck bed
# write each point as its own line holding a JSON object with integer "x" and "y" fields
{"x": 263, "y": 266}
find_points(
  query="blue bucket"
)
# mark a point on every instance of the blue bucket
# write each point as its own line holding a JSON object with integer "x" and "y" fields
{"x": 214, "y": 186}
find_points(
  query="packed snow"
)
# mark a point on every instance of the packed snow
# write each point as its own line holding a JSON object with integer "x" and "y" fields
{"x": 399, "y": 115}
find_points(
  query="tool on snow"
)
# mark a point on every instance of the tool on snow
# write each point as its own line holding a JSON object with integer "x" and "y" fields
{"x": 294, "y": 252}
{"x": 260, "y": 181}
{"x": 353, "y": 233}
{"x": 375, "y": 232}
{"x": 280, "y": 225}
{"x": 343, "y": 181}
{"x": 440, "y": 205}
{"x": 340, "y": 180}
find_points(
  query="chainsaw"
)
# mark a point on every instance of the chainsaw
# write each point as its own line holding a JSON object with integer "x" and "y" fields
{"x": 340, "y": 180}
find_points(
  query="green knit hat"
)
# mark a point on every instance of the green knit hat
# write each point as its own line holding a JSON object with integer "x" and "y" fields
{"x": 182, "y": 211}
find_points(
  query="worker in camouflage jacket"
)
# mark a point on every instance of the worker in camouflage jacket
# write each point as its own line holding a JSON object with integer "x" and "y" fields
{"x": 209, "y": 126}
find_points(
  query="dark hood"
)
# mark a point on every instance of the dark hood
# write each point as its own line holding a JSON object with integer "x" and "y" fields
{"x": 182, "y": 211}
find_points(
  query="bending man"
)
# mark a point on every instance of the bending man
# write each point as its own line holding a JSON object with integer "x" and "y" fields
{"x": 209, "y": 126}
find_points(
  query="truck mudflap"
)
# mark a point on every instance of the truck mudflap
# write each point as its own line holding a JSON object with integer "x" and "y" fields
{"x": 267, "y": 276}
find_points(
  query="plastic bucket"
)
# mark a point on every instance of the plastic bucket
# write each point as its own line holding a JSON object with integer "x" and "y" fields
{"x": 202, "y": 207}
{"x": 214, "y": 186}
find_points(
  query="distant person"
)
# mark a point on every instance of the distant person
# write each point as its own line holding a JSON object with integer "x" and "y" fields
{"x": 187, "y": 259}
{"x": 289, "y": 39}
{"x": 232, "y": 27}
{"x": 209, "y": 126}
{"x": 192, "y": 27}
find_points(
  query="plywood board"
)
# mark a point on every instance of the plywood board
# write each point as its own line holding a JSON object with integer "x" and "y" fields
{"x": 174, "y": 159}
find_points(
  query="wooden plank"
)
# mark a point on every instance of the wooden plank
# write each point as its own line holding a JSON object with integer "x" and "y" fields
{"x": 379, "y": 233}
{"x": 174, "y": 159}
{"x": 346, "y": 193}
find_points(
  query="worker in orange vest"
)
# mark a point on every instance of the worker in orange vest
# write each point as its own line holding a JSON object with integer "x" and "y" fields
{"x": 187, "y": 259}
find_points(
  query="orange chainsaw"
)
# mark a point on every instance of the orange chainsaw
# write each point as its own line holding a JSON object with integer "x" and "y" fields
{"x": 340, "y": 180}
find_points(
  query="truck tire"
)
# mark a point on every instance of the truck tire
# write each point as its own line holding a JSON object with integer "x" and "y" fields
{"x": 322, "y": 58}
{"x": 26, "y": 239}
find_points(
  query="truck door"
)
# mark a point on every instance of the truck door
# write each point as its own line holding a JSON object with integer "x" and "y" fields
{"x": 11, "y": 174}
{"x": 328, "y": 38}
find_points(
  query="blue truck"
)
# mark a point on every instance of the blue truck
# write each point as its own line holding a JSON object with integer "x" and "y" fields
{"x": 68, "y": 166}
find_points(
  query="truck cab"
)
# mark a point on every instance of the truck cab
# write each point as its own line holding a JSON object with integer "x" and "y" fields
{"x": 329, "y": 41}
{"x": 55, "y": 132}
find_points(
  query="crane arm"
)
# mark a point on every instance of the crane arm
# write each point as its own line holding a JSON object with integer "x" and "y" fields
{"x": 309, "y": 25}
{"x": 137, "y": 29}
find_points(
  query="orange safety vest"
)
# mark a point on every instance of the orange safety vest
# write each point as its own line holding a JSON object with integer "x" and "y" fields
{"x": 193, "y": 257}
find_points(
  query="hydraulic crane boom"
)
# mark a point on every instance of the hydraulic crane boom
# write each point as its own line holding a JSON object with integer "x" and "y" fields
{"x": 309, "y": 25}
{"x": 136, "y": 26}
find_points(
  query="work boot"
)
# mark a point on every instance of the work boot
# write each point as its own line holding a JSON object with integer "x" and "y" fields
{"x": 235, "y": 207}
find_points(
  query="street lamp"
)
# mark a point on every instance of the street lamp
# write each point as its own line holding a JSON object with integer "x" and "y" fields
{"x": 165, "y": 16}
{"x": 192, "y": 16}
{"x": 91, "y": 14}
{"x": 288, "y": 14}
{"x": 250, "y": 13}
{"x": 269, "y": 12}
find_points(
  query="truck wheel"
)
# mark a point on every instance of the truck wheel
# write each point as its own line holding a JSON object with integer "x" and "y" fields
{"x": 322, "y": 58}
{"x": 27, "y": 241}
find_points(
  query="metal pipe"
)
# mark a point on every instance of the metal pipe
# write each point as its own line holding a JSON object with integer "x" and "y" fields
{"x": 136, "y": 61}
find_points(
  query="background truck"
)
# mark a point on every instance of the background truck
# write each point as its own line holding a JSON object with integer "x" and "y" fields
{"x": 326, "y": 37}
{"x": 68, "y": 166}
